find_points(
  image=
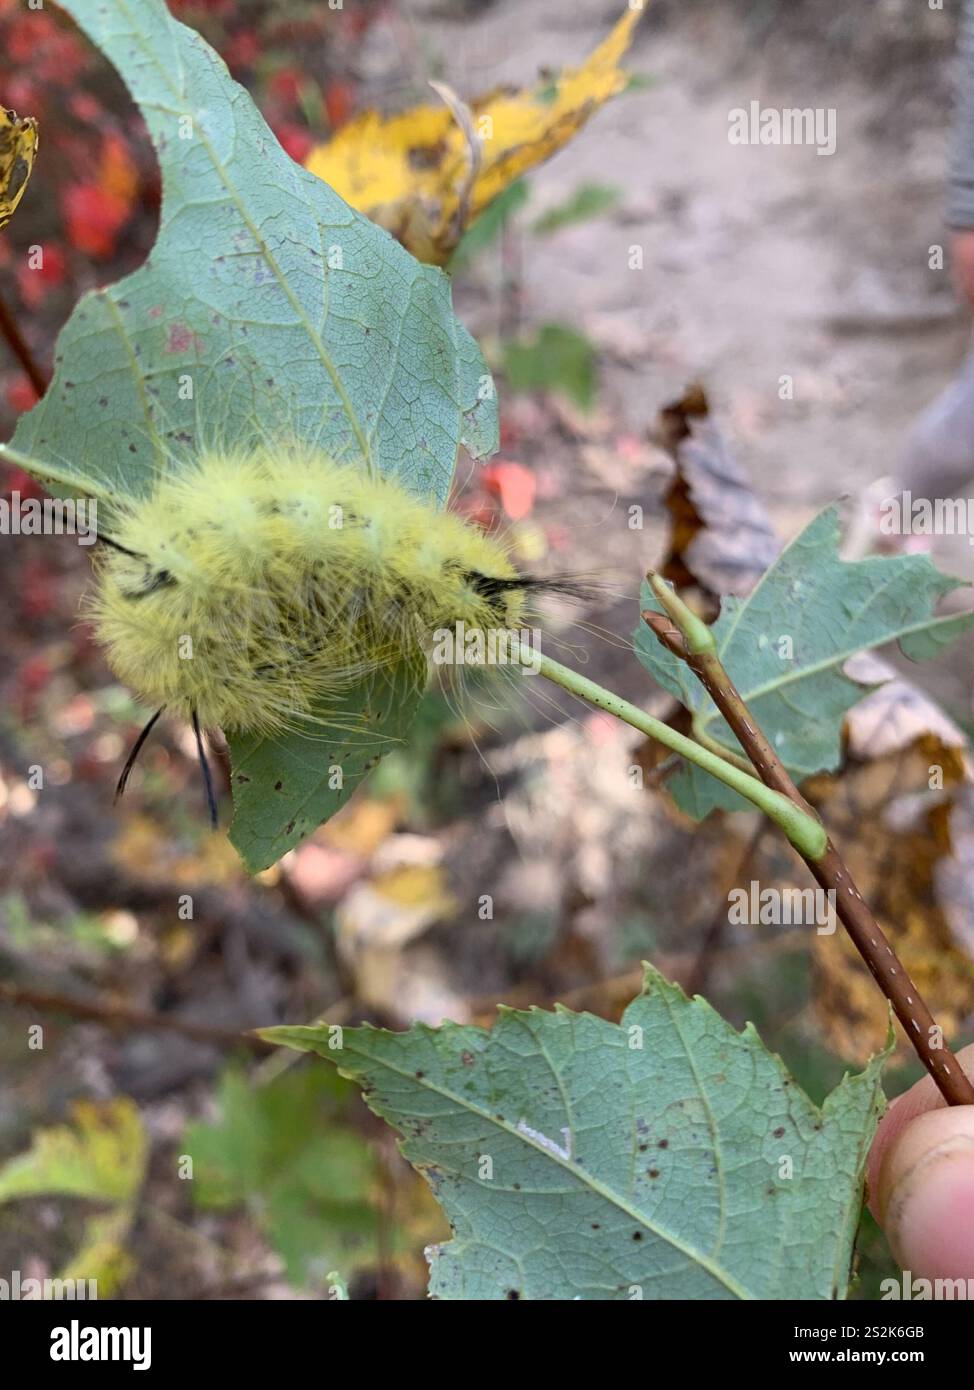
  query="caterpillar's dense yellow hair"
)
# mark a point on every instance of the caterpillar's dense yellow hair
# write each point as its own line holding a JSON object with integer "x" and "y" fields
{"x": 252, "y": 586}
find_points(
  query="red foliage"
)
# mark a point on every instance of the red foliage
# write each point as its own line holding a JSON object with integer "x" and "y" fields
{"x": 339, "y": 102}
{"x": 242, "y": 50}
{"x": 294, "y": 139}
{"x": 513, "y": 484}
{"x": 21, "y": 395}
{"x": 40, "y": 51}
{"x": 188, "y": 10}
{"x": 34, "y": 281}
{"x": 93, "y": 219}
{"x": 22, "y": 482}
{"x": 96, "y": 187}
{"x": 33, "y": 677}
{"x": 285, "y": 85}
{"x": 38, "y": 590}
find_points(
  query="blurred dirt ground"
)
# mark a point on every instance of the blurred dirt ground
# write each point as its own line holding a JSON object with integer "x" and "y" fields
{"x": 758, "y": 263}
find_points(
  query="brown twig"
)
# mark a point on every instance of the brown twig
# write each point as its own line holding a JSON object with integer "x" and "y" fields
{"x": 699, "y": 976}
{"x": 829, "y": 869}
{"x": 111, "y": 1013}
{"x": 21, "y": 349}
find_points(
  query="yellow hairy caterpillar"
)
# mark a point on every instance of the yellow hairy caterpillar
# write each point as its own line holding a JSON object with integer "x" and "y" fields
{"x": 245, "y": 590}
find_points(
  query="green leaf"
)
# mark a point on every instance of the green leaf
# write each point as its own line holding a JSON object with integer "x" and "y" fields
{"x": 489, "y": 225}
{"x": 785, "y": 646}
{"x": 242, "y": 292}
{"x": 286, "y": 786}
{"x": 287, "y": 1152}
{"x": 639, "y": 82}
{"x": 101, "y": 1156}
{"x": 588, "y": 201}
{"x": 555, "y": 359}
{"x": 664, "y": 1157}
{"x": 285, "y": 311}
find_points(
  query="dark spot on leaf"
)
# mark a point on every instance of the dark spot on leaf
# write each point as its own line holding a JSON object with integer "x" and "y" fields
{"x": 654, "y": 1172}
{"x": 596, "y": 1226}
{"x": 278, "y": 786}
{"x": 779, "y": 1131}
{"x": 663, "y": 1144}
{"x": 637, "y": 1235}
{"x": 513, "y": 1295}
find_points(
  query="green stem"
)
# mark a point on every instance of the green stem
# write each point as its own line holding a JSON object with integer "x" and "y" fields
{"x": 51, "y": 472}
{"x": 807, "y": 835}
{"x": 697, "y": 635}
{"x": 702, "y": 737}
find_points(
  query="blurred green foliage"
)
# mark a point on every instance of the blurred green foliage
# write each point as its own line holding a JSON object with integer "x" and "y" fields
{"x": 287, "y": 1152}
{"x": 556, "y": 358}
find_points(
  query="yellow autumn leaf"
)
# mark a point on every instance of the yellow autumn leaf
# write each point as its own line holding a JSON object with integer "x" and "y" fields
{"x": 378, "y": 925}
{"x": 394, "y": 907}
{"x": 145, "y": 851}
{"x": 429, "y": 172}
{"x": 100, "y": 1155}
{"x": 102, "y": 1255}
{"x": 18, "y": 146}
{"x": 362, "y": 825}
